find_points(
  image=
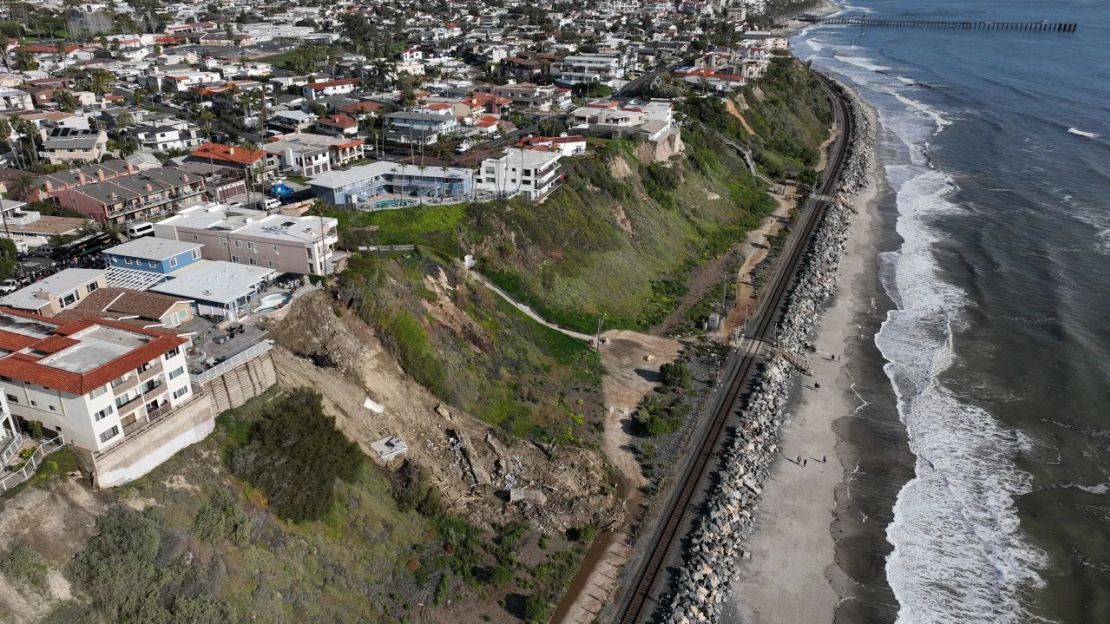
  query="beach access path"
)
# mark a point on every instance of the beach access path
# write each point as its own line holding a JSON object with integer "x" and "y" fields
{"x": 792, "y": 567}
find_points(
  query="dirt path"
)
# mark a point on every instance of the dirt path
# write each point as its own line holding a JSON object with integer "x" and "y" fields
{"x": 755, "y": 251}
{"x": 823, "y": 160}
{"x": 730, "y": 105}
{"x": 632, "y": 362}
{"x": 532, "y": 314}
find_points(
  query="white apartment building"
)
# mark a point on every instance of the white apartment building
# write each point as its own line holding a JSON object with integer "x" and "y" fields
{"x": 587, "y": 68}
{"x": 12, "y": 100}
{"x": 532, "y": 173}
{"x": 93, "y": 382}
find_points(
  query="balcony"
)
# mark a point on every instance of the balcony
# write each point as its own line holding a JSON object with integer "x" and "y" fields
{"x": 152, "y": 386}
{"x": 152, "y": 371}
{"x": 125, "y": 385}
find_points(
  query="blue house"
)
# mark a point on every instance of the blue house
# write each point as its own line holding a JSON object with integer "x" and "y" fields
{"x": 153, "y": 255}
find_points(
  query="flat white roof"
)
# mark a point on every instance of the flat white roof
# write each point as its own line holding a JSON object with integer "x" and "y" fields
{"x": 151, "y": 248}
{"x": 214, "y": 281}
{"x": 280, "y": 227}
{"x": 338, "y": 179}
{"x": 212, "y": 217}
{"x": 57, "y": 284}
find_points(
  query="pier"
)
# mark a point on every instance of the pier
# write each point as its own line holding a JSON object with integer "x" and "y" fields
{"x": 1057, "y": 27}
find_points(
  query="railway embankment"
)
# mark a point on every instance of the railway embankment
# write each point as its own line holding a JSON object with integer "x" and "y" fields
{"x": 718, "y": 538}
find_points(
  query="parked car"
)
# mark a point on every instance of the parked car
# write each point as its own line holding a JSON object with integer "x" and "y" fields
{"x": 8, "y": 286}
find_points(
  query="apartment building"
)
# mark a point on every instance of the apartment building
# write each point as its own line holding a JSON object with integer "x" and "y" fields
{"x": 60, "y": 291}
{"x": 534, "y": 174}
{"x": 92, "y": 381}
{"x": 406, "y": 127}
{"x": 230, "y": 156}
{"x": 165, "y": 138}
{"x": 135, "y": 197}
{"x": 302, "y": 245}
{"x": 386, "y": 181}
{"x": 153, "y": 255}
{"x": 588, "y": 68}
{"x": 535, "y": 97}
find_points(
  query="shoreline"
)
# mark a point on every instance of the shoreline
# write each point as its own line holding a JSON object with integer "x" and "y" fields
{"x": 792, "y": 574}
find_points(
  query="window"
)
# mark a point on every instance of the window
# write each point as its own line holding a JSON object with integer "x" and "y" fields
{"x": 275, "y": 248}
{"x": 127, "y": 260}
{"x": 180, "y": 392}
{"x": 33, "y": 403}
{"x": 196, "y": 238}
{"x": 69, "y": 299}
{"x": 238, "y": 243}
{"x": 173, "y": 262}
{"x": 235, "y": 258}
{"x": 174, "y": 352}
{"x": 223, "y": 242}
{"x": 270, "y": 263}
{"x": 174, "y": 374}
{"x": 102, "y": 414}
{"x": 98, "y": 392}
{"x": 250, "y": 244}
{"x": 52, "y": 408}
{"x": 12, "y": 399}
{"x": 109, "y": 434}
{"x": 151, "y": 263}
{"x": 252, "y": 261}
{"x": 91, "y": 287}
{"x": 196, "y": 252}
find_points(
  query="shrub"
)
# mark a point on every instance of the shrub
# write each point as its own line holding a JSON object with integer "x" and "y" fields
{"x": 295, "y": 456}
{"x": 222, "y": 519}
{"x": 675, "y": 375}
{"x": 23, "y": 564}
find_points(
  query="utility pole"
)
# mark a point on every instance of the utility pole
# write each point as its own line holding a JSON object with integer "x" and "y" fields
{"x": 597, "y": 338}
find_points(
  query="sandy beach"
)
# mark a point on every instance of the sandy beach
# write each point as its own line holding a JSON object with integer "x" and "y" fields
{"x": 791, "y": 574}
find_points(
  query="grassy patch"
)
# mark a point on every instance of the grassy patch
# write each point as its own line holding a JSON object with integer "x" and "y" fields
{"x": 23, "y": 565}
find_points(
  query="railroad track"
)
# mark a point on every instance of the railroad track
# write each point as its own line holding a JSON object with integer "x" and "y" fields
{"x": 637, "y": 603}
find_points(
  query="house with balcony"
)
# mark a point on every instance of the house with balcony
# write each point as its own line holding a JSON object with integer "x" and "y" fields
{"x": 165, "y": 138}
{"x": 290, "y": 121}
{"x": 408, "y": 127}
{"x": 312, "y": 154}
{"x": 14, "y": 100}
{"x": 136, "y": 197}
{"x": 141, "y": 308}
{"x": 93, "y": 382}
{"x": 532, "y": 173}
{"x": 60, "y": 291}
{"x": 328, "y": 88}
{"x": 301, "y": 245}
{"x": 234, "y": 157}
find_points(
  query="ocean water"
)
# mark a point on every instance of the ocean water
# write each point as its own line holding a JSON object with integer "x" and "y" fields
{"x": 996, "y": 147}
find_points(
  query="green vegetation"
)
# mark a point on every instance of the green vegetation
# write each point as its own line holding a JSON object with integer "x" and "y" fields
{"x": 675, "y": 375}
{"x": 22, "y": 564}
{"x": 475, "y": 350}
{"x": 656, "y": 416}
{"x": 295, "y": 455}
{"x": 8, "y": 259}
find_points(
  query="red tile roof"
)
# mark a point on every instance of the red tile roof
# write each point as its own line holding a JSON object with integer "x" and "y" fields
{"x": 227, "y": 153}
{"x": 27, "y": 367}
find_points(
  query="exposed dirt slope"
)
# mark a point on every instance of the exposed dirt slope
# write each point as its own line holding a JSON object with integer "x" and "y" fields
{"x": 561, "y": 487}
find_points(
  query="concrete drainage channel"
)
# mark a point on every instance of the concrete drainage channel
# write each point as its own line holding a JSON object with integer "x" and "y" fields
{"x": 715, "y": 544}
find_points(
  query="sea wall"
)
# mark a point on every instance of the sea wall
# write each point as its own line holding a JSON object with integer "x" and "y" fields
{"x": 718, "y": 539}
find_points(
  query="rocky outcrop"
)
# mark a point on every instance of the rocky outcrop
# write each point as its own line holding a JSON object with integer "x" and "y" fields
{"x": 718, "y": 538}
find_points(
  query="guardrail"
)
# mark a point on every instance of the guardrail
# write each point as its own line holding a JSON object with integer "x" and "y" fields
{"x": 31, "y": 465}
{"x": 11, "y": 447}
{"x": 233, "y": 362}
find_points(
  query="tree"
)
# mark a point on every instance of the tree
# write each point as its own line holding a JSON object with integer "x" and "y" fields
{"x": 675, "y": 375}
{"x": 9, "y": 258}
{"x": 66, "y": 101}
{"x": 295, "y": 455}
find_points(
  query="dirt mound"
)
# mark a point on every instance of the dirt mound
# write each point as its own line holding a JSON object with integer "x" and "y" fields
{"x": 473, "y": 466}
{"x": 619, "y": 168}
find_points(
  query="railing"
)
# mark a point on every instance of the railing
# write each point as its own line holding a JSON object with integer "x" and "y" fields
{"x": 233, "y": 362}
{"x": 151, "y": 422}
{"x": 11, "y": 448}
{"x": 31, "y": 465}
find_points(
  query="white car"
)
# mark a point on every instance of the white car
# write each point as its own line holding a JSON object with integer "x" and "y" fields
{"x": 8, "y": 286}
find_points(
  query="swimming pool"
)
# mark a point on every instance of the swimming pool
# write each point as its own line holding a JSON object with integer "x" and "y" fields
{"x": 272, "y": 302}
{"x": 392, "y": 203}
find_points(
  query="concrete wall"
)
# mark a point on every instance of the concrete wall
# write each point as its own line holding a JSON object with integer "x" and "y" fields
{"x": 142, "y": 453}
